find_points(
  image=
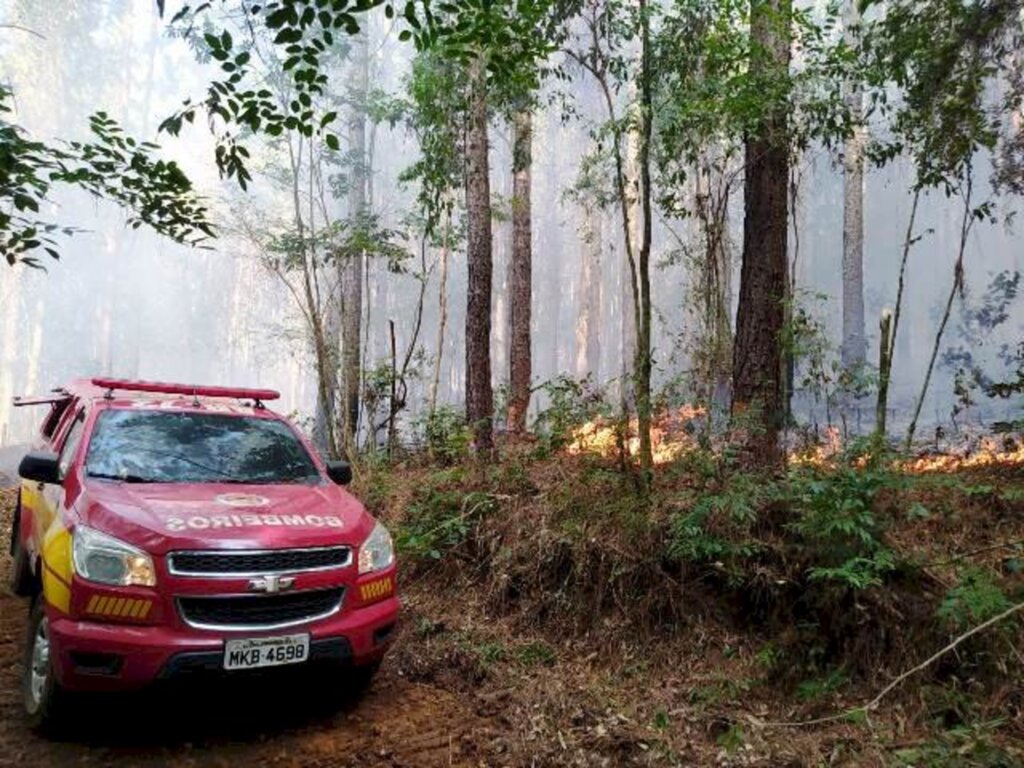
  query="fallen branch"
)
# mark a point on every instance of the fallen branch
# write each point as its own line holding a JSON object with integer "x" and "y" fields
{"x": 962, "y": 555}
{"x": 873, "y": 704}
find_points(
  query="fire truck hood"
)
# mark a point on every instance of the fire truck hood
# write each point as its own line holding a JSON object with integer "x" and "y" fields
{"x": 162, "y": 517}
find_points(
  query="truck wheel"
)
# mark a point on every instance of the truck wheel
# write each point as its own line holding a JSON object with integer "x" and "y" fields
{"x": 23, "y": 583}
{"x": 45, "y": 699}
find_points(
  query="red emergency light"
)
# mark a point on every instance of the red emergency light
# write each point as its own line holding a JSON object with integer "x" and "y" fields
{"x": 195, "y": 390}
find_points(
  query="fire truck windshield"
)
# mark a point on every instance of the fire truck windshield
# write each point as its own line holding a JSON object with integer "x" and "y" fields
{"x": 178, "y": 447}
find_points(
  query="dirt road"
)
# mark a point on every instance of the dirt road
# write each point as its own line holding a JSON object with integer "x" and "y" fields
{"x": 399, "y": 723}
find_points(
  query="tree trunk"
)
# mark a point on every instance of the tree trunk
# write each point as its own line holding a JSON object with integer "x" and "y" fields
{"x": 479, "y": 396}
{"x": 588, "y": 323}
{"x": 854, "y": 350}
{"x": 885, "y": 327}
{"x": 351, "y": 275}
{"x": 712, "y": 209}
{"x": 520, "y": 289}
{"x": 442, "y": 310}
{"x": 642, "y": 372}
{"x": 758, "y": 352}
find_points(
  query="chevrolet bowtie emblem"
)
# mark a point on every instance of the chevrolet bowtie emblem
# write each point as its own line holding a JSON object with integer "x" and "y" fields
{"x": 271, "y": 584}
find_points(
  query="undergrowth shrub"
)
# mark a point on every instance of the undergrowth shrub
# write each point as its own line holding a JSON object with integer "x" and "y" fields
{"x": 841, "y": 536}
{"x": 445, "y": 435}
{"x": 720, "y": 525}
{"x": 976, "y": 598}
{"x": 440, "y": 518}
{"x": 803, "y": 555}
{"x": 820, "y": 518}
{"x": 572, "y": 402}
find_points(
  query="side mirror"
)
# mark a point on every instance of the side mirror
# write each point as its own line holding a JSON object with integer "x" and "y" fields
{"x": 340, "y": 472}
{"x": 41, "y": 466}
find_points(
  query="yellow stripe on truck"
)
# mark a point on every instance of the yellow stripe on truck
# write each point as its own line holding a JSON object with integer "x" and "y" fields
{"x": 57, "y": 568}
{"x": 374, "y": 590}
{"x": 121, "y": 607}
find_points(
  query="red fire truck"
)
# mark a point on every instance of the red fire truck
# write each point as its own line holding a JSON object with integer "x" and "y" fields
{"x": 166, "y": 530}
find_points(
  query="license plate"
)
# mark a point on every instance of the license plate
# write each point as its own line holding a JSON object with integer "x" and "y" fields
{"x": 254, "y": 653}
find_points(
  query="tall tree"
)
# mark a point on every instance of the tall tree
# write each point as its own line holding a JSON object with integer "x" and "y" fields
{"x": 479, "y": 393}
{"x": 588, "y": 324}
{"x": 520, "y": 285}
{"x": 758, "y": 392}
{"x": 351, "y": 269}
{"x": 854, "y": 348}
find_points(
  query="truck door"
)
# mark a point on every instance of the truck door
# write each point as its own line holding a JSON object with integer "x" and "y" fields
{"x": 51, "y": 495}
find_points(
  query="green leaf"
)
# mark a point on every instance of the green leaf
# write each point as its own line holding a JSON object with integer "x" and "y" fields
{"x": 332, "y": 141}
{"x": 278, "y": 18}
{"x": 288, "y": 35}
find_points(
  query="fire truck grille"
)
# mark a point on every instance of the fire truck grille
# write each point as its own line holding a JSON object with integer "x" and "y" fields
{"x": 259, "y": 562}
{"x": 260, "y": 611}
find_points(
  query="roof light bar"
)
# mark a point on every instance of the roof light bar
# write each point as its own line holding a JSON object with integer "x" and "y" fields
{"x": 169, "y": 388}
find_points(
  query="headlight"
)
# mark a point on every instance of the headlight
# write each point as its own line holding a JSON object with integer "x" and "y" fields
{"x": 377, "y": 552}
{"x": 106, "y": 560}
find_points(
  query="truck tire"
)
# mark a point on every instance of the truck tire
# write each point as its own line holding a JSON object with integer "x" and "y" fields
{"x": 46, "y": 702}
{"x": 23, "y": 582}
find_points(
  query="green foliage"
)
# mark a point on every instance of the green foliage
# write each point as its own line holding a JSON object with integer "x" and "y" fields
{"x": 977, "y": 329}
{"x": 434, "y": 110}
{"x": 713, "y": 95}
{"x": 571, "y": 403}
{"x": 822, "y": 517}
{"x": 840, "y": 533}
{"x": 967, "y": 746}
{"x": 805, "y": 341}
{"x": 768, "y": 657}
{"x": 113, "y": 166}
{"x": 723, "y": 689}
{"x": 439, "y": 519}
{"x": 820, "y": 688}
{"x": 536, "y": 653}
{"x": 302, "y": 35}
{"x": 719, "y": 526}
{"x": 338, "y": 241}
{"x": 943, "y": 56}
{"x": 976, "y": 598}
{"x": 445, "y": 434}
{"x": 733, "y": 739}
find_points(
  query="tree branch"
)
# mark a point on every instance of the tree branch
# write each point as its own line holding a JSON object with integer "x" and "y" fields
{"x": 873, "y": 704}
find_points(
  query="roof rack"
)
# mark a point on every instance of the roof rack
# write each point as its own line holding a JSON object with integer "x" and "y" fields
{"x": 195, "y": 390}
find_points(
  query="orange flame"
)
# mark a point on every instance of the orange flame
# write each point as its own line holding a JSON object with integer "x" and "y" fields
{"x": 669, "y": 439}
{"x": 821, "y": 454}
{"x": 989, "y": 453}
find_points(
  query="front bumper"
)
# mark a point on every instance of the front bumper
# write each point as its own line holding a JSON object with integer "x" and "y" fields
{"x": 105, "y": 657}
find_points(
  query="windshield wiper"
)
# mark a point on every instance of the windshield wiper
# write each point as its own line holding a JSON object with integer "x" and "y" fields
{"x": 290, "y": 480}
{"x": 124, "y": 478}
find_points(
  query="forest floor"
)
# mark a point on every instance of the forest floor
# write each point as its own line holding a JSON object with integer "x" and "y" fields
{"x": 488, "y": 671}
